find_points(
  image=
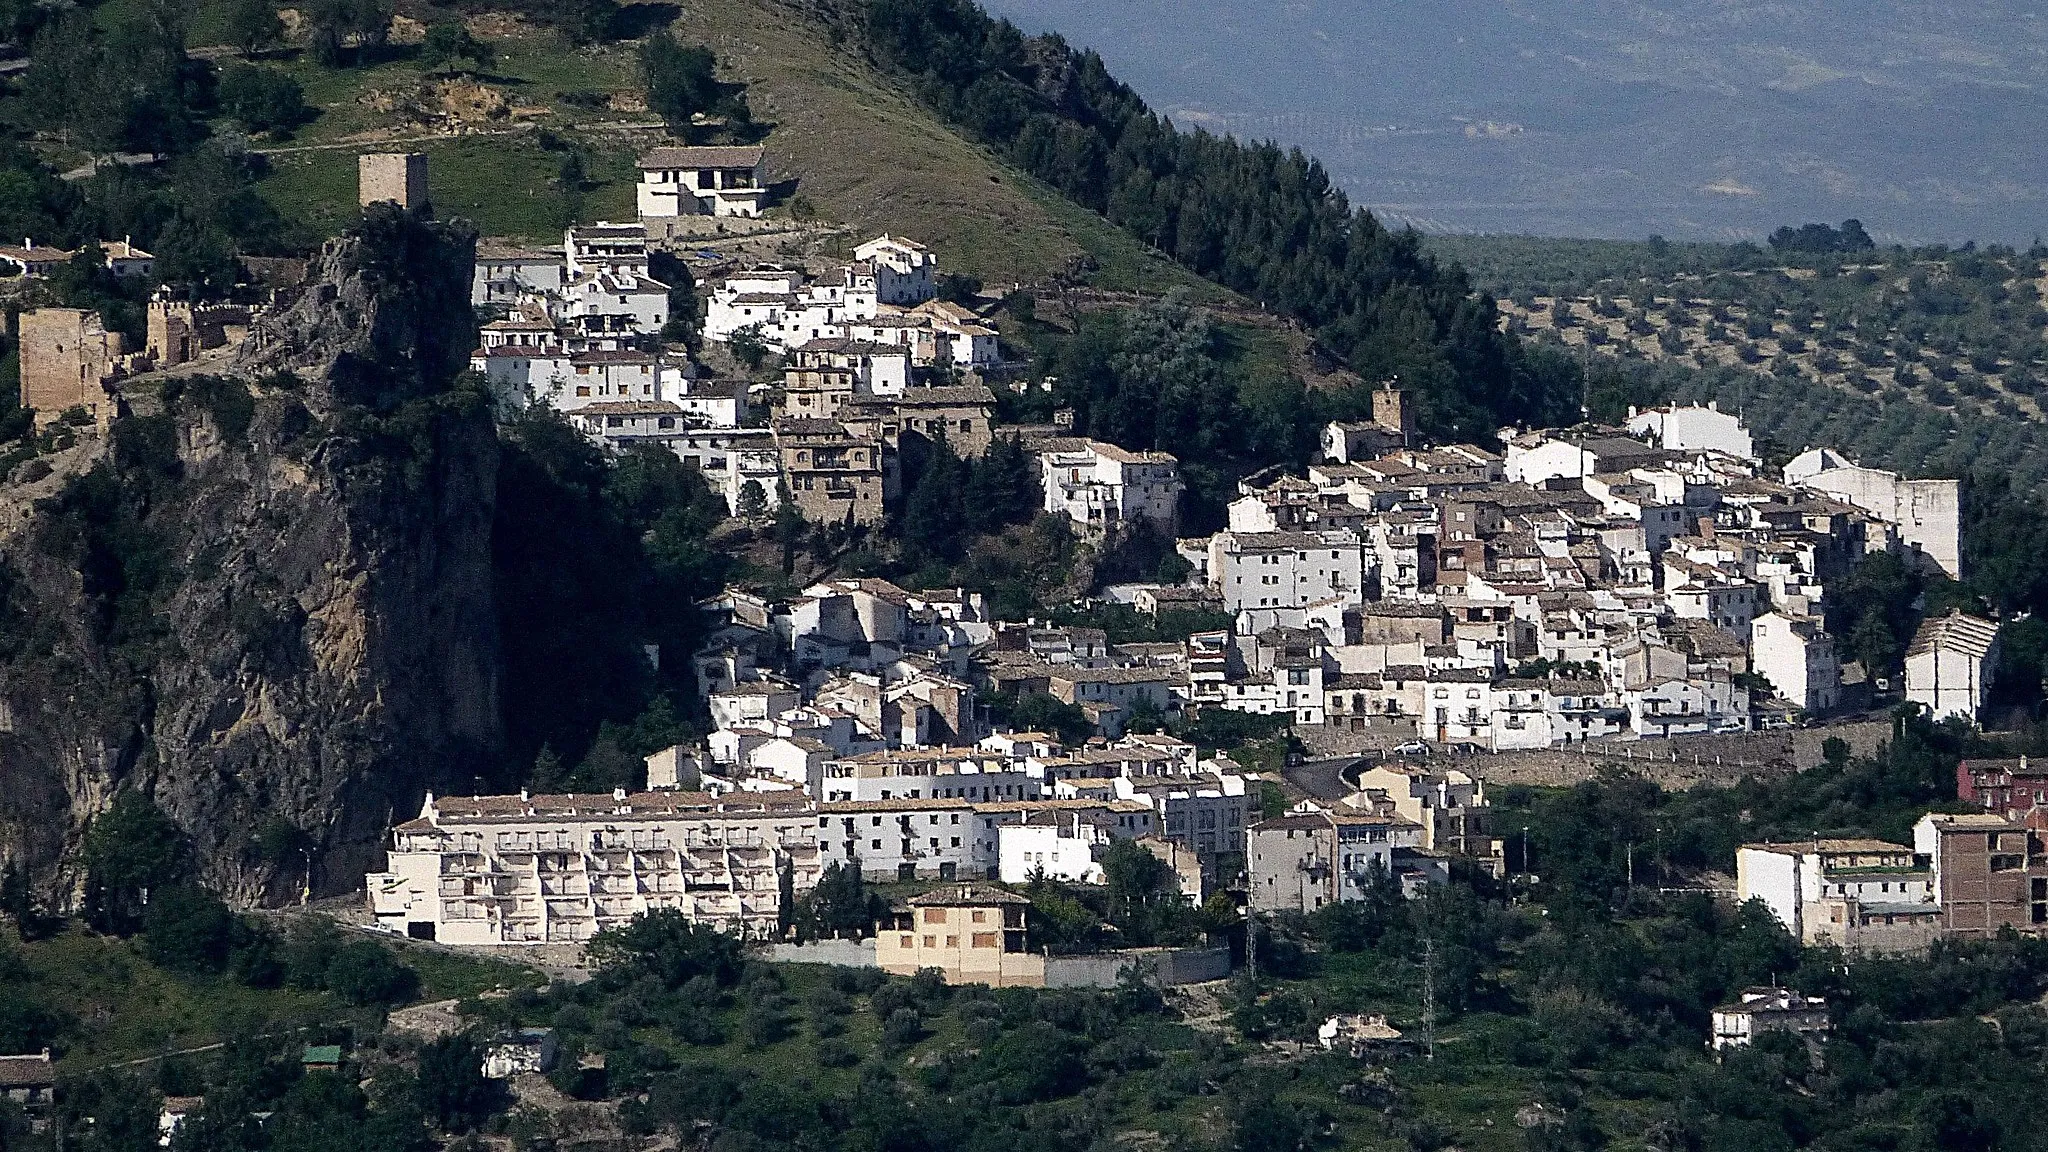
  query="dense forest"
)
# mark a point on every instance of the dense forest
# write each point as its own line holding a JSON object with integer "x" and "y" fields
{"x": 1263, "y": 221}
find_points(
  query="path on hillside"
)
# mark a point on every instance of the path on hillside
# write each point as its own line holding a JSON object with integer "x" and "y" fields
{"x": 461, "y": 134}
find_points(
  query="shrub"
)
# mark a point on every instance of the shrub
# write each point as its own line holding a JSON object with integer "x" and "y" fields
{"x": 903, "y": 1028}
{"x": 835, "y": 1053}
{"x": 666, "y": 945}
{"x": 366, "y": 973}
{"x": 186, "y": 929}
{"x": 263, "y": 99}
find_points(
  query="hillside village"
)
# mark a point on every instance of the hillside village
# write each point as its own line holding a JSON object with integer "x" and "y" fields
{"x": 1404, "y": 601}
{"x": 972, "y": 735}
{"x": 1414, "y": 606}
{"x": 1419, "y": 604}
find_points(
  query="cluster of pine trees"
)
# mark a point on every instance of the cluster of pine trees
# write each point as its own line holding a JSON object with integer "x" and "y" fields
{"x": 1261, "y": 220}
{"x": 949, "y": 499}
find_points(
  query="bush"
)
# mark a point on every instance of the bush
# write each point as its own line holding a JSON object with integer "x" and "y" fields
{"x": 451, "y": 1086}
{"x": 447, "y": 43}
{"x": 263, "y": 99}
{"x": 666, "y": 945}
{"x": 187, "y": 929}
{"x": 835, "y": 1053}
{"x": 903, "y": 1028}
{"x": 763, "y": 1025}
{"x": 366, "y": 973}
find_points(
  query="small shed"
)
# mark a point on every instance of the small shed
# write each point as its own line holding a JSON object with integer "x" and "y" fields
{"x": 522, "y": 1050}
{"x": 1357, "y": 1034}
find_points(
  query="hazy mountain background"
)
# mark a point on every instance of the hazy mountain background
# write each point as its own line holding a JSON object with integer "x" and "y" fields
{"x": 1695, "y": 119}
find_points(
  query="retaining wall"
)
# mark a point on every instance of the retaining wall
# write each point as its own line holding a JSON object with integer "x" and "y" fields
{"x": 1678, "y": 762}
{"x": 1165, "y": 967}
{"x": 837, "y": 953}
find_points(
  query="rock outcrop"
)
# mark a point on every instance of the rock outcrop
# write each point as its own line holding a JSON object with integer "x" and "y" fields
{"x": 268, "y": 602}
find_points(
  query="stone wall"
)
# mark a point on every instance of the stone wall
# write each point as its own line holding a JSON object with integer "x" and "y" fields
{"x": 837, "y": 953}
{"x": 1677, "y": 762}
{"x": 1165, "y": 967}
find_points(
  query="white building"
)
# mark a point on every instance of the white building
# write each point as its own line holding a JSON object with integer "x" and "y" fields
{"x": 1286, "y": 569}
{"x": 701, "y": 181}
{"x": 1688, "y": 708}
{"x": 1950, "y": 665}
{"x": 616, "y": 300}
{"x": 604, "y": 247}
{"x": 1757, "y": 1011}
{"x": 1797, "y": 656}
{"x": 1106, "y": 489}
{"x": 1809, "y": 884}
{"x": 1702, "y": 592}
{"x": 900, "y": 839}
{"x": 508, "y": 275}
{"x": 1928, "y": 513}
{"x": 559, "y": 869}
{"x": 1062, "y": 848}
{"x": 1691, "y": 428}
{"x": 905, "y": 272}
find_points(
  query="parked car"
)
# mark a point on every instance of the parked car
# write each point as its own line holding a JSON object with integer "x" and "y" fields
{"x": 1730, "y": 726}
{"x": 1411, "y": 748}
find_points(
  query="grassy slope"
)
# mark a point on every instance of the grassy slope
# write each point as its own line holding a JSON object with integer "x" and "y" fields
{"x": 119, "y": 1007}
{"x": 862, "y": 150}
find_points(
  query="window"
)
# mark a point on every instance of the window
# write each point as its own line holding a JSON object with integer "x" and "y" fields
{"x": 984, "y": 940}
{"x": 931, "y": 941}
{"x": 979, "y": 916}
{"x": 935, "y": 915}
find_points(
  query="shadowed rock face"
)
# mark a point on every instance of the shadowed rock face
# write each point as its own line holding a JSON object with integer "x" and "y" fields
{"x": 267, "y": 599}
{"x": 384, "y": 316}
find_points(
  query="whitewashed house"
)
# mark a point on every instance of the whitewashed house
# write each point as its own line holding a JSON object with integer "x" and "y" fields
{"x": 1286, "y": 569}
{"x": 1928, "y": 513}
{"x": 1950, "y": 665}
{"x": 508, "y": 275}
{"x": 1797, "y": 656}
{"x": 1690, "y": 427}
{"x": 701, "y": 181}
{"x": 1104, "y": 488}
{"x": 1059, "y": 849}
{"x": 905, "y": 272}
{"x": 604, "y": 247}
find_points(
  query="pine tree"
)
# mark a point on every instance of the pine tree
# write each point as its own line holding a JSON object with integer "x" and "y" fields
{"x": 932, "y": 517}
{"x": 549, "y": 775}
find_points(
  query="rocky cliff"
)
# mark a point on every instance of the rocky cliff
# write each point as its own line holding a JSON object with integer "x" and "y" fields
{"x": 265, "y": 599}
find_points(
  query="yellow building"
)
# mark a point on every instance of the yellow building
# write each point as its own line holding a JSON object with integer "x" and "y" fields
{"x": 971, "y": 933}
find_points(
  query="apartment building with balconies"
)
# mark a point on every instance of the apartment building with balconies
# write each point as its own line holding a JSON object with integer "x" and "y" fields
{"x": 550, "y": 869}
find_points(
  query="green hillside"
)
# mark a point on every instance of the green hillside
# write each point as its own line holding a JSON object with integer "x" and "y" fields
{"x": 858, "y": 148}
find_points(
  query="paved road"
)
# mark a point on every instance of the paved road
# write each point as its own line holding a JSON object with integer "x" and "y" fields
{"x": 1326, "y": 779}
